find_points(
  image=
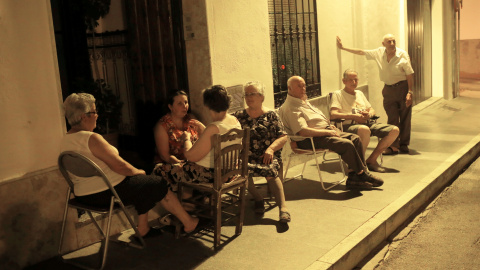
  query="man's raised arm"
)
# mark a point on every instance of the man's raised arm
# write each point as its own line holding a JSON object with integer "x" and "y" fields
{"x": 355, "y": 51}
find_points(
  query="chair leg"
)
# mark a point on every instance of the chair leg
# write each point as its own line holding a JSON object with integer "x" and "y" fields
{"x": 218, "y": 220}
{"x": 285, "y": 179}
{"x": 135, "y": 229}
{"x": 107, "y": 238}
{"x": 95, "y": 223}
{"x": 238, "y": 229}
{"x": 344, "y": 177}
{"x": 62, "y": 234}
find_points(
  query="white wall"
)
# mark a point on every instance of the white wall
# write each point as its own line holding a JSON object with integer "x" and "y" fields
{"x": 360, "y": 24}
{"x": 240, "y": 44}
{"x": 30, "y": 99}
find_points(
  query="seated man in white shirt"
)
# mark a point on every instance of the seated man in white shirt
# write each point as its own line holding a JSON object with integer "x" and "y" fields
{"x": 353, "y": 106}
{"x": 301, "y": 118}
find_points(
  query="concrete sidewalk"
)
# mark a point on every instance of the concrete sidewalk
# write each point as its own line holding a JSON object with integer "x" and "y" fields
{"x": 449, "y": 225}
{"x": 329, "y": 230}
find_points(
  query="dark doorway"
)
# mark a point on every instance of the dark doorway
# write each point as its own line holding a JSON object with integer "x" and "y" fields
{"x": 140, "y": 64}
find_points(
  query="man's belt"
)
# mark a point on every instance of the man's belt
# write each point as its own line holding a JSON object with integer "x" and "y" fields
{"x": 395, "y": 84}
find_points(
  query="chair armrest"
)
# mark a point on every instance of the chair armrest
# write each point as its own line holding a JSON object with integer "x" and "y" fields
{"x": 374, "y": 117}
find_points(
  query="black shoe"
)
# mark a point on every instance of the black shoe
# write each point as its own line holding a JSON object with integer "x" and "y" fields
{"x": 404, "y": 149}
{"x": 354, "y": 181}
{"x": 370, "y": 178}
{"x": 361, "y": 185}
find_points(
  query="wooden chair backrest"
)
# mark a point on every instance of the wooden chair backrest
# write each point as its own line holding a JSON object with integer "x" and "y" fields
{"x": 232, "y": 160}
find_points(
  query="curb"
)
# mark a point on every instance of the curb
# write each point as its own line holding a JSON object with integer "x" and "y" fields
{"x": 351, "y": 250}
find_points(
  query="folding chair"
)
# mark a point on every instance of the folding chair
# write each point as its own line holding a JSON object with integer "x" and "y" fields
{"x": 72, "y": 163}
{"x": 312, "y": 152}
{"x": 230, "y": 174}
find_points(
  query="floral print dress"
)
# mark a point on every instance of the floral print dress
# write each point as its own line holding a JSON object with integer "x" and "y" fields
{"x": 174, "y": 173}
{"x": 264, "y": 130}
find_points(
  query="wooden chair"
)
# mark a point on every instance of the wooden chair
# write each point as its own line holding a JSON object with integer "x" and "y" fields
{"x": 230, "y": 174}
{"x": 72, "y": 163}
{"x": 297, "y": 152}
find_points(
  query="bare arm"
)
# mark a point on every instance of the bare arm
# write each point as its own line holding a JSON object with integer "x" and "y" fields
{"x": 105, "y": 152}
{"x": 199, "y": 126}
{"x": 163, "y": 149}
{"x": 313, "y": 132}
{"x": 409, "y": 100}
{"x": 276, "y": 145}
{"x": 202, "y": 146}
{"x": 359, "y": 118}
{"x": 353, "y": 50}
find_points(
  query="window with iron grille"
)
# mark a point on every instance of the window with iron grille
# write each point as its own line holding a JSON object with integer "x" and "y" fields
{"x": 294, "y": 41}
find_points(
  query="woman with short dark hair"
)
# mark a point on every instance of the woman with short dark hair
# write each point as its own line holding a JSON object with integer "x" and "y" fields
{"x": 199, "y": 167}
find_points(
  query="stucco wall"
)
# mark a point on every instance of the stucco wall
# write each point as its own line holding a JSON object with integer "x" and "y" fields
{"x": 240, "y": 43}
{"x": 32, "y": 124}
{"x": 360, "y": 24}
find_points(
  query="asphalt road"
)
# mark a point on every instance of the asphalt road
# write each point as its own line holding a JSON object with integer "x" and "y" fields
{"x": 444, "y": 236}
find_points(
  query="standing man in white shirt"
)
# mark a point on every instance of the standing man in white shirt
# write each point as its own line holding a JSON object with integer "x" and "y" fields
{"x": 397, "y": 74}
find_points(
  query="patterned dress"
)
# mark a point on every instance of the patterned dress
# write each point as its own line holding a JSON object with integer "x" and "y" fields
{"x": 264, "y": 130}
{"x": 174, "y": 172}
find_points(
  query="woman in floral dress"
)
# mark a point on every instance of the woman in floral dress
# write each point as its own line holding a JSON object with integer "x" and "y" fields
{"x": 170, "y": 158}
{"x": 266, "y": 141}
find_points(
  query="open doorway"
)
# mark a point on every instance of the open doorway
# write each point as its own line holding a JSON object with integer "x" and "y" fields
{"x": 134, "y": 55}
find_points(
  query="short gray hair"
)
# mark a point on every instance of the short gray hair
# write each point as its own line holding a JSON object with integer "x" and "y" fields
{"x": 347, "y": 71}
{"x": 258, "y": 85}
{"x": 77, "y": 104}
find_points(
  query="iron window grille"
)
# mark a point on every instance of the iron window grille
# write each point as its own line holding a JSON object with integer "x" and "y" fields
{"x": 294, "y": 41}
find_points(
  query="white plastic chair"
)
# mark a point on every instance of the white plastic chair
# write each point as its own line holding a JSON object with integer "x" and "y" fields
{"x": 297, "y": 152}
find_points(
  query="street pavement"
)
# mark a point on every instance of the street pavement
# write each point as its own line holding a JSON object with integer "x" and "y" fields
{"x": 444, "y": 236}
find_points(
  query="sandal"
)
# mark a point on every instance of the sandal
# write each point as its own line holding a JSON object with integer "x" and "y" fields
{"x": 389, "y": 152}
{"x": 166, "y": 220}
{"x": 285, "y": 217}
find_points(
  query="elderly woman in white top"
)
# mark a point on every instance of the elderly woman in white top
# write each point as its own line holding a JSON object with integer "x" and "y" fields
{"x": 131, "y": 184}
{"x": 266, "y": 141}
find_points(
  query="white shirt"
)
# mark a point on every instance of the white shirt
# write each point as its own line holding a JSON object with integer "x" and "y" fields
{"x": 223, "y": 126}
{"x": 393, "y": 71}
{"x": 348, "y": 103}
{"x": 297, "y": 114}
{"x": 78, "y": 142}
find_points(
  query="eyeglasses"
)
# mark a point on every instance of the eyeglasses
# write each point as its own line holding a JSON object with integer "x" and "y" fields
{"x": 251, "y": 94}
{"x": 94, "y": 112}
